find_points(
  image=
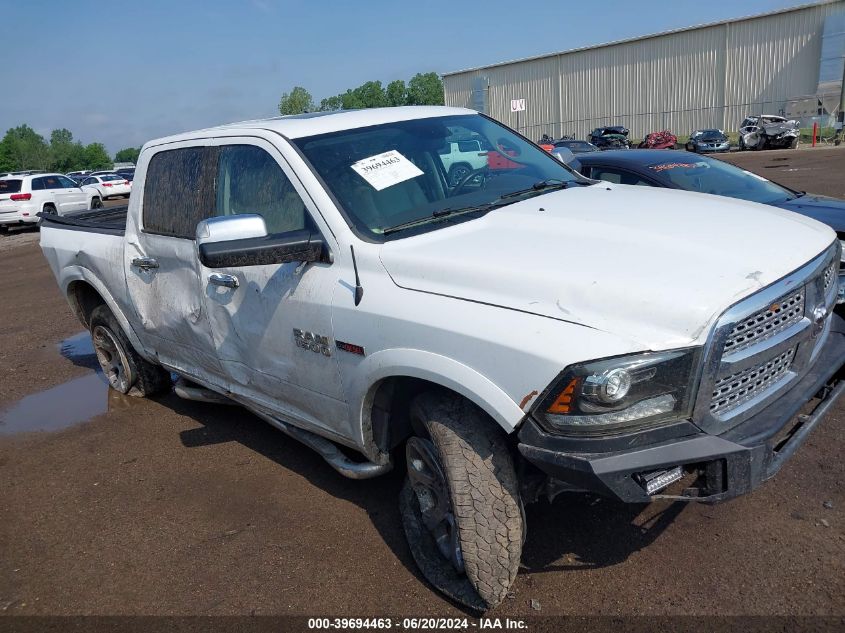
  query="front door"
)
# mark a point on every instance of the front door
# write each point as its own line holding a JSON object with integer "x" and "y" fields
{"x": 73, "y": 198}
{"x": 273, "y": 332}
{"x": 161, "y": 262}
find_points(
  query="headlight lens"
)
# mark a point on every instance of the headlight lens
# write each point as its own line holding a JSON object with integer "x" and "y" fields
{"x": 620, "y": 393}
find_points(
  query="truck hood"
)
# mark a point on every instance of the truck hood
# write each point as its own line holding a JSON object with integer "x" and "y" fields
{"x": 654, "y": 266}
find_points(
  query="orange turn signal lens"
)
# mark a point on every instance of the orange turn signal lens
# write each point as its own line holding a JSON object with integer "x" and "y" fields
{"x": 563, "y": 403}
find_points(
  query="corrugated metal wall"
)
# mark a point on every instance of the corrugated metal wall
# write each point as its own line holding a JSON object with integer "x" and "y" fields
{"x": 706, "y": 77}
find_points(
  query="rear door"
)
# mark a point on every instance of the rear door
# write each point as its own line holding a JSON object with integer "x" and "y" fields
{"x": 160, "y": 260}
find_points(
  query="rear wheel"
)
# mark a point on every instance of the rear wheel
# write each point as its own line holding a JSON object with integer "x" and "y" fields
{"x": 126, "y": 370}
{"x": 460, "y": 504}
{"x": 96, "y": 203}
{"x": 458, "y": 172}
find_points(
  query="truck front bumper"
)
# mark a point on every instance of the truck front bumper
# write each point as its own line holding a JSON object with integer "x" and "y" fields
{"x": 726, "y": 465}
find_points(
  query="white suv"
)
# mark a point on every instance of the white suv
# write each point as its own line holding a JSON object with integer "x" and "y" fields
{"x": 23, "y": 197}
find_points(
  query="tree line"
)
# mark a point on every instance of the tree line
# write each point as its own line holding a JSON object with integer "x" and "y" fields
{"x": 422, "y": 89}
{"x": 23, "y": 148}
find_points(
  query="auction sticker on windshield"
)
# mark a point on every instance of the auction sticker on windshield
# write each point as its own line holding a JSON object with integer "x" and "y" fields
{"x": 386, "y": 169}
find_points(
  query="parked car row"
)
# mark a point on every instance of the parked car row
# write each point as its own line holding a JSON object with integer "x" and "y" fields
{"x": 23, "y": 197}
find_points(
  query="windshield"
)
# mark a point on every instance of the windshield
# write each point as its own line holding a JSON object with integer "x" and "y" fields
{"x": 706, "y": 135}
{"x": 706, "y": 175}
{"x": 389, "y": 175}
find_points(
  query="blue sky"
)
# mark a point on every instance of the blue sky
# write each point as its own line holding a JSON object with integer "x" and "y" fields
{"x": 127, "y": 71}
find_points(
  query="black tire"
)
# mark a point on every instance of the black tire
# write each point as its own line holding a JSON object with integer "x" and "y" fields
{"x": 458, "y": 172}
{"x": 478, "y": 491}
{"x": 793, "y": 144}
{"x": 125, "y": 369}
{"x": 96, "y": 203}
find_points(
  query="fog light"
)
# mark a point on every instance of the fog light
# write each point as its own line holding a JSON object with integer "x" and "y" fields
{"x": 659, "y": 479}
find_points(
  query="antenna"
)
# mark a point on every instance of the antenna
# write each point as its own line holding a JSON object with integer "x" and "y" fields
{"x": 359, "y": 290}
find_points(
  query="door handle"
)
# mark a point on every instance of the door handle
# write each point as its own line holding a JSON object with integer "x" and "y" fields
{"x": 145, "y": 263}
{"x": 219, "y": 279}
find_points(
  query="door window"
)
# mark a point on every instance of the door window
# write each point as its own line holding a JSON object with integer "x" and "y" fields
{"x": 67, "y": 183}
{"x": 178, "y": 191}
{"x": 37, "y": 184}
{"x": 249, "y": 180}
{"x": 619, "y": 176}
{"x": 52, "y": 182}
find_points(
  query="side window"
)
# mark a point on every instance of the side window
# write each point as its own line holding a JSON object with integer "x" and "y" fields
{"x": 178, "y": 191}
{"x": 52, "y": 182}
{"x": 469, "y": 146}
{"x": 67, "y": 183}
{"x": 89, "y": 181}
{"x": 249, "y": 180}
{"x": 618, "y": 176}
{"x": 37, "y": 184}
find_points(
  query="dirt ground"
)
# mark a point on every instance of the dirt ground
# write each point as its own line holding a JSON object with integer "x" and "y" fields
{"x": 115, "y": 506}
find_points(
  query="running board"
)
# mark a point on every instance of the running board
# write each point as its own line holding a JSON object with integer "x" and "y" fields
{"x": 191, "y": 391}
{"x": 329, "y": 451}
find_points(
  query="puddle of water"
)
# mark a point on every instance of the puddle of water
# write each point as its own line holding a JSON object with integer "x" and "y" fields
{"x": 73, "y": 402}
{"x": 79, "y": 350}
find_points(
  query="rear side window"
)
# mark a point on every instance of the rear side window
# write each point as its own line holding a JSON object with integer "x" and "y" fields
{"x": 111, "y": 178}
{"x": 51, "y": 182}
{"x": 10, "y": 186}
{"x": 37, "y": 184}
{"x": 249, "y": 180}
{"x": 178, "y": 191}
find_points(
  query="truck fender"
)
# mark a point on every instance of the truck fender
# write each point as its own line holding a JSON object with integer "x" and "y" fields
{"x": 434, "y": 368}
{"x": 78, "y": 273}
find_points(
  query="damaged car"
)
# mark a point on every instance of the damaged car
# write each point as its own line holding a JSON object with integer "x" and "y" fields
{"x": 768, "y": 131}
{"x": 708, "y": 141}
{"x": 610, "y": 137}
{"x": 522, "y": 333}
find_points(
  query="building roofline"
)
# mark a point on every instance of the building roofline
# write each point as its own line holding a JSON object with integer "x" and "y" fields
{"x": 638, "y": 38}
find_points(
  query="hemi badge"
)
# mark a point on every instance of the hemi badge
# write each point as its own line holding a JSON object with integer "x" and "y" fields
{"x": 349, "y": 347}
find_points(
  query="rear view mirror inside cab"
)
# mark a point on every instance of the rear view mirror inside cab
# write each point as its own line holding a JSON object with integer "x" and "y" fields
{"x": 242, "y": 240}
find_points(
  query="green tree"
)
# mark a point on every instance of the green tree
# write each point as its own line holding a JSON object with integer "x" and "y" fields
{"x": 23, "y": 148}
{"x": 397, "y": 93}
{"x": 96, "y": 157}
{"x": 330, "y": 104}
{"x": 296, "y": 102}
{"x": 425, "y": 89}
{"x": 371, "y": 95}
{"x": 128, "y": 155}
{"x": 65, "y": 155}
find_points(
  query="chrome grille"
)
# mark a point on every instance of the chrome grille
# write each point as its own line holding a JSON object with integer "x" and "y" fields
{"x": 777, "y": 317}
{"x": 829, "y": 276}
{"x": 731, "y": 391}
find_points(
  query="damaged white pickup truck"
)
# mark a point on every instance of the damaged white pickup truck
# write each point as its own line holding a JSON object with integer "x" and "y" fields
{"x": 521, "y": 332}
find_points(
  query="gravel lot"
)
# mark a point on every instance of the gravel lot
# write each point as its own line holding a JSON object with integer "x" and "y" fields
{"x": 113, "y": 505}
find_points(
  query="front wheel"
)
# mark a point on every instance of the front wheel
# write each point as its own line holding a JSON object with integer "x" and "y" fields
{"x": 96, "y": 203}
{"x": 460, "y": 506}
{"x": 126, "y": 370}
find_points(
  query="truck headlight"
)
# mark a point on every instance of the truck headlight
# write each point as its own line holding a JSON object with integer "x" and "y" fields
{"x": 617, "y": 394}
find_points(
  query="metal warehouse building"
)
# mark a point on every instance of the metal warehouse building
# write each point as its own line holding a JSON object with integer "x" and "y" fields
{"x": 785, "y": 62}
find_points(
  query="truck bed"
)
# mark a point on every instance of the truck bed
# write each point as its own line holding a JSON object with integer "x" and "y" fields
{"x": 111, "y": 221}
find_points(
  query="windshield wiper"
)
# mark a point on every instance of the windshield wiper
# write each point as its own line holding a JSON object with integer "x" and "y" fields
{"x": 440, "y": 214}
{"x": 543, "y": 185}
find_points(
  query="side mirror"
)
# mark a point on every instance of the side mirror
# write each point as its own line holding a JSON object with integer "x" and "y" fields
{"x": 242, "y": 240}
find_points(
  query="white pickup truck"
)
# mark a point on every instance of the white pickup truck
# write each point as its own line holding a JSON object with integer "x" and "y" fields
{"x": 525, "y": 332}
